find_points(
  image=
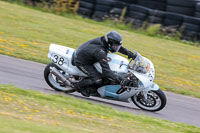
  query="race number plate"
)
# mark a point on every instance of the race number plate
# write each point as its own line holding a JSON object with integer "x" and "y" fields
{"x": 57, "y": 59}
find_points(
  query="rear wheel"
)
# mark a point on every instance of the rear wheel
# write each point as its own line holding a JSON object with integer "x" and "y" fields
{"x": 156, "y": 100}
{"x": 53, "y": 81}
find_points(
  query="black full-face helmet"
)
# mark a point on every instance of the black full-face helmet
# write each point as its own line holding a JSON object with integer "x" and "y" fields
{"x": 113, "y": 41}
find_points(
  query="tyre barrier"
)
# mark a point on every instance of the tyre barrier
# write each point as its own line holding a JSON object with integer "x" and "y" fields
{"x": 86, "y": 7}
{"x": 128, "y": 1}
{"x": 117, "y": 9}
{"x": 156, "y": 17}
{"x": 197, "y": 14}
{"x": 197, "y": 10}
{"x": 185, "y": 7}
{"x": 153, "y": 4}
{"x": 102, "y": 9}
{"x": 84, "y": 12}
{"x": 180, "y": 10}
{"x": 183, "y": 3}
{"x": 191, "y": 28}
{"x": 176, "y": 16}
{"x": 173, "y": 19}
{"x": 137, "y": 15}
{"x": 115, "y": 13}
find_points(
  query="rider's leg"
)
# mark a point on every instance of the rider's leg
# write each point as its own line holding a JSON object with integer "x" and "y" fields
{"x": 94, "y": 79}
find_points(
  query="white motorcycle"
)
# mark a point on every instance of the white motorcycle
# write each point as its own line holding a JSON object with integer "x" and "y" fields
{"x": 61, "y": 74}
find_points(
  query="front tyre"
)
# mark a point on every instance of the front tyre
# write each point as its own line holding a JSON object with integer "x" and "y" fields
{"x": 156, "y": 100}
{"x": 53, "y": 81}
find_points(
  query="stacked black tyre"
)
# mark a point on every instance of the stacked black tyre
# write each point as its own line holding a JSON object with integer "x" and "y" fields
{"x": 173, "y": 20}
{"x": 102, "y": 9}
{"x": 185, "y": 7}
{"x": 137, "y": 15}
{"x": 153, "y": 4}
{"x": 117, "y": 8}
{"x": 86, "y": 7}
{"x": 197, "y": 10}
{"x": 156, "y": 17}
{"x": 191, "y": 28}
{"x": 128, "y": 1}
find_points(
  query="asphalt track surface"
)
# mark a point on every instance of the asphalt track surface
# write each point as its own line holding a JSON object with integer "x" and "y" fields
{"x": 29, "y": 75}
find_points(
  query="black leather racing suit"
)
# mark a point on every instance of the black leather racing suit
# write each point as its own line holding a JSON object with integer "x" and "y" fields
{"x": 95, "y": 51}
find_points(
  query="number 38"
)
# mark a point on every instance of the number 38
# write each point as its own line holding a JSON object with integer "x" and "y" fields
{"x": 58, "y": 60}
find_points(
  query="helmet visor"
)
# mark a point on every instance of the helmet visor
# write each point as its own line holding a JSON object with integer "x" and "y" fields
{"x": 116, "y": 47}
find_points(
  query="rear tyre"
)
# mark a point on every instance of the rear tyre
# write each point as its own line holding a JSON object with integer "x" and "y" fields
{"x": 156, "y": 100}
{"x": 53, "y": 82}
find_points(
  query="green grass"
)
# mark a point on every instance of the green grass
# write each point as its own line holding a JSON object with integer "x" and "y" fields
{"x": 26, "y": 33}
{"x": 29, "y": 111}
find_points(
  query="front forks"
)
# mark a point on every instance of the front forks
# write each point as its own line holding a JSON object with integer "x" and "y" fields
{"x": 146, "y": 90}
{"x": 144, "y": 93}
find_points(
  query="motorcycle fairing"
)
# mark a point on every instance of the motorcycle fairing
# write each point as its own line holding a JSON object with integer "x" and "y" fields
{"x": 66, "y": 53}
{"x": 117, "y": 63}
{"x": 109, "y": 91}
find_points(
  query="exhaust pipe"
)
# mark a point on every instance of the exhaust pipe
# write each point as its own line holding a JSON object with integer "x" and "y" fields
{"x": 55, "y": 71}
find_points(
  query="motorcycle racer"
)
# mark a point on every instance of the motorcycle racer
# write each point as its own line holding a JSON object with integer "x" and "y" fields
{"x": 96, "y": 50}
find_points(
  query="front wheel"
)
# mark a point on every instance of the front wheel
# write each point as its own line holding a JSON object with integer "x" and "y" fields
{"x": 53, "y": 81}
{"x": 156, "y": 100}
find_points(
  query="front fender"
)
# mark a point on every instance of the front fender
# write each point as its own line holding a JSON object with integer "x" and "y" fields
{"x": 153, "y": 87}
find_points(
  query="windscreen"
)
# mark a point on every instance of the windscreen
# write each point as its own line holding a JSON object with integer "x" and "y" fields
{"x": 141, "y": 65}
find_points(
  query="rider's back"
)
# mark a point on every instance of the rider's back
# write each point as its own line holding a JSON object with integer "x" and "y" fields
{"x": 87, "y": 53}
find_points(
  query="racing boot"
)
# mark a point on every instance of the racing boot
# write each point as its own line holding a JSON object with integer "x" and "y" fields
{"x": 82, "y": 90}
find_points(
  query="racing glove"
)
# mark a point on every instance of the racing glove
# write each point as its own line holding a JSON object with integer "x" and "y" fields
{"x": 125, "y": 82}
{"x": 138, "y": 57}
{"x": 130, "y": 83}
{"x": 132, "y": 55}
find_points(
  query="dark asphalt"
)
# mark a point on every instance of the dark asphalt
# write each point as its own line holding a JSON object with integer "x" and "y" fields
{"x": 29, "y": 75}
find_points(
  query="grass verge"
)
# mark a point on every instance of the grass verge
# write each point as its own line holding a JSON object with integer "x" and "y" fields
{"x": 26, "y": 33}
{"x": 29, "y": 111}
